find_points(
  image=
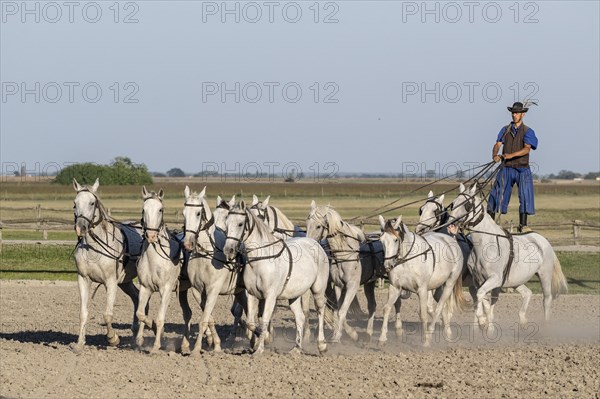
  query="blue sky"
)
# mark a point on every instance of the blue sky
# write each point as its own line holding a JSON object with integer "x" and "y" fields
{"x": 353, "y": 86}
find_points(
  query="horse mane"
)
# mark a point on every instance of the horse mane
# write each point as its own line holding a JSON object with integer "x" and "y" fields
{"x": 103, "y": 212}
{"x": 284, "y": 221}
{"x": 336, "y": 224}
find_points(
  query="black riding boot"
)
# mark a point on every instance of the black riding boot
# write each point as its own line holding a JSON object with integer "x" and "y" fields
{"x": 523, "y": 223}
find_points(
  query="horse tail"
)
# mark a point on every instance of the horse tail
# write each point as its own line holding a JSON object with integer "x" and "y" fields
{"x": 458, "y": 299}
{"x": 559, "y": 282}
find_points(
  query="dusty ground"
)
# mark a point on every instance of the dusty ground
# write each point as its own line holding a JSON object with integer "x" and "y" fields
{"x": 40, "y": 319}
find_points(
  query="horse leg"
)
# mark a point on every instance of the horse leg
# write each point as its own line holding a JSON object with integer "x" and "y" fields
{"x": 165, "y": 298}
{"x": 111, "y": 294}
{"x": 145, "y": 295}
{"x": 84, "y": 296}
{"x": 393, "y": 295}
{"x": 422, "y": 293}
{"x": 306, "y": 310}
{"x": 397, "y": 307}
{"x": 133, "y": 293}
{"x": 441, "y": 305}
{"x": 526, "y": 295}
{"x": 491, "y": 283}
{"x": 431, "y": 299}
{"x": 242, "y": 305}
{"x": 296, "y": 307}
{"x": 268, "y": 309}
{"x": 187, "y": 319}
{"x": 252, "y": 310}
{"x": 320, "y": 304}
{"x": 212, "y": 293}
{"x": 347, "y": 297}
{"x": 371, "y": 305}
{"x": 473, "y": 293}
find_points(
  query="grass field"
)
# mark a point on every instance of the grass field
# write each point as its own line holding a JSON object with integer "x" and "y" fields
{"x": 557, "y": 205}
{"x": 54, "y": 262}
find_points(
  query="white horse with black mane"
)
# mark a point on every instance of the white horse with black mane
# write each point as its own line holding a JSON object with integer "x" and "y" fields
{"x": 208, "y": 269}
{"x": 420, "y": 264}
{"x": 277, "y": 269}
{"x": 106, "y": 253}
{"x": 501, "y": 259}
{"x": 159, "y": 268}
{"x": 354, "y": 262}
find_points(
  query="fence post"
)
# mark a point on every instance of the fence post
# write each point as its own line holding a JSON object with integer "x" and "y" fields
{"x": 45, "y": 231}
{"x": 0, "y": 238}
{"x": 38, "y": 215}
{"x": 576, "y": 231}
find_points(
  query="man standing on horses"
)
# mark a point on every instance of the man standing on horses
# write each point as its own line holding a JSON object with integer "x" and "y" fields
{"x": 516, "y": 140}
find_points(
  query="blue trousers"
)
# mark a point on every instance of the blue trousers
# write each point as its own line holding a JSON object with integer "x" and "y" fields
{"x": 506, "y": 179}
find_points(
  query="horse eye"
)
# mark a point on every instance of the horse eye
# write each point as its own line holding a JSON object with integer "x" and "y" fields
{"x": 240, "y": 225}
{"x": 160, "y": 210}
{"x": 92, "y": 203}
{"x": 319, "y": 227}
{"x": 198, "y": 214}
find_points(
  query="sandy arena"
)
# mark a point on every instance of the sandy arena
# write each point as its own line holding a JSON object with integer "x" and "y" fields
{"x": 39, "y": 321}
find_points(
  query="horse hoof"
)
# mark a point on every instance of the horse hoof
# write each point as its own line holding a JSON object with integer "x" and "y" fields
{"x": 399, "y": 333}
{"x": 258, "y": 352}
{"x": 322, "y": 347}
{"x": 381, "y": 344}
{"x": 76, "y": 348}
{"x": 217, "y": 349}
{"x": 296, "y": 351}
{"x": 114, "y": 340}
{"x": 154, "y": 351}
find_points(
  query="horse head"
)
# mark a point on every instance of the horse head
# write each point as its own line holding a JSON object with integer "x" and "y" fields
{"x": 86, "y": 208}
{"x": 431, "y": 213}
{"x": 393, "y": 232}
{"x": 467, "y": 207}
{"x": 197, "y": 216}
{"x": 221, "y": 211}
{"x": 152, "y": 214}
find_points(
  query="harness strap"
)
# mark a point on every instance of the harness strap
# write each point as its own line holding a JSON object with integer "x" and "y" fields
{"x": 511, "y": 256}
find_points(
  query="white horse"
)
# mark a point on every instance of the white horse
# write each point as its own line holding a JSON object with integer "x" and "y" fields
{"x": 500, "y": 259}
{"x": 354, "y": 262}
{"x": 208, "y": 269}
{"x": 159, "y": 268}
{"x": 277, "y": 269}
{"x": 106, "y": 253}
{"x": 420, "y": 264}
{"x": 281, "y": 226}
{"x": 221, "y": 210}
{"x": 433, "y": 216}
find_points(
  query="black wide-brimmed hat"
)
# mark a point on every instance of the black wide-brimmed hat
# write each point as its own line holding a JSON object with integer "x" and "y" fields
{"x": 518, "y": 108}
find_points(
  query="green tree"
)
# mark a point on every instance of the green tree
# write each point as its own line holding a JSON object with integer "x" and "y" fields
{"x": 121, "y": 171}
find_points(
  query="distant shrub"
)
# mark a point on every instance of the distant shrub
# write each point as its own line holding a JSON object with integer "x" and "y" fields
{"x": 120, "y": 172}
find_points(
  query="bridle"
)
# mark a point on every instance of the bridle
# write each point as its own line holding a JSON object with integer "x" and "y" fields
{"x": 96, "y": 208}
{"x": 203, "y": 218}
{"x": 263, "y": 214}
{"x": 399, "y": 258}
{"x": 438, "y": 212}
{"x": 470, "y": 205}
{"x": 158, "y": 229}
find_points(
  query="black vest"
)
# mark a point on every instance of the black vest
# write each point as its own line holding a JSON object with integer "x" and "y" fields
{"x": 514, "y": 144}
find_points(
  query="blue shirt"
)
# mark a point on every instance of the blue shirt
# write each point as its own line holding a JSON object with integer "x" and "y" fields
{"x": 529, "y": 138}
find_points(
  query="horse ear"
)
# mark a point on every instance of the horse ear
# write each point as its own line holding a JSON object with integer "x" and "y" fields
{"x": 186, "y": 192}
{"x": 161, "y": 193}
{"x": 219, "y": 200}
{"x": 203, "y": 192}
{"x": 430, "y": 195}
{"x": 76, "y": 185}
{"x": 232, "y": 200}
{"x": 266, "y": 202}
{"x": 313, "y": 205}
{"x": 398, "y": 222}
{"x": 441, "y": 199}
{"x": 145, "y": 192}
{"x": 96, "y": 185}
{"x": 474, "y": 189}
{"x": 242, "y": 205}
{"x": 461, "y": 188}
{"x": 382, "y": 222}
{"x": 254, "y": 199}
